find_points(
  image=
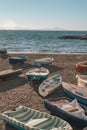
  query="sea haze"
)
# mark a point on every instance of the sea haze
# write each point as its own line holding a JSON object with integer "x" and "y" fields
{"x": 42, "y": 41}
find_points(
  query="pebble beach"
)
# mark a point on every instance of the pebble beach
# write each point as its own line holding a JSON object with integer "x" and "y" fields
{"x": 18, "y": 91}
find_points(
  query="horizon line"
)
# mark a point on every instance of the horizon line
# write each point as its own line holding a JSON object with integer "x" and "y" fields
{"x": 39, "y": 30}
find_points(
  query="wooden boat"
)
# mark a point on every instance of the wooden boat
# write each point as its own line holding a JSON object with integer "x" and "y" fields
{"x": 81, "y": 80}
{"x": 80, "y": 66}
{"x": 10, "y": 73}
{"x": 74, "y": 91}
{"x": 3, "y": 51}
{"x": 71, "y": 111}
{"x": 37, "y": 74}
{"x": 43, "y": 61}
{"x": 17, "y": 59}
{"x": 50, "y": 85}
{"x": 24, "y": 118}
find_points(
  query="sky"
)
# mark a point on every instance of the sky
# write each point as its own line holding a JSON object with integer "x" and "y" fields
{"x": 43, "y": 14}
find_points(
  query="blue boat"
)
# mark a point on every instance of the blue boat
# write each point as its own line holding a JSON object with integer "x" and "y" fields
{"x": 43, "y": 61}
{"x": 71, "y": 111}
{"x": 17, "y": 59}
{"x": 37, "y": 74}
{"x": 74, "y": 91}
{"x": 24, "y": 118}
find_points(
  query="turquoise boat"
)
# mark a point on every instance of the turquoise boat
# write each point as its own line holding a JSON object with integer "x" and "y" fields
{"x": 17, "y": 59}
{"x": 24, "y": 118}
{"x": 37, "y": 74}
{"x": 74, "y": 91}
{"x": 43, "y": 61}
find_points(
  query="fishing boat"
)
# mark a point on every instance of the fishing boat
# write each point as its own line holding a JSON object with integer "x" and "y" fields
{"x": 81, "y": 80}
{"x": 50, "y": 85}
{"x": 74, "y": 91}
{"x": 10, "y": 73}
{"x": 17, "y": 59}
{"x": 69, "y": 110}
{"x": 37, "y": 74}
{"x": 43, "y": 61}
{"x": 24, "y": 118}
{"x": 80, "y": 66}
{"x": 3, "y": 50}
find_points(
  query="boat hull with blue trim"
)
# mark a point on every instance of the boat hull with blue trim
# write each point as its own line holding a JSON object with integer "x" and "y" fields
{"x": 43, "y": 61}
{"x": 37, "y": 74}
{"x": 49, "y": 85}
{"x": 17, "y": 59}
{"x": 55, "y": 106}
{"x": 74, "y": 91}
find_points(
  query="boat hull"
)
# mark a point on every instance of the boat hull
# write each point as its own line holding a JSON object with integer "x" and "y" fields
{"x": 73, "y": 96}
{"x": 49, "y": 85}
{"x": 43, "y": 63}
{"x": 73, "y": 120}
{"x": 18, "y": 59}
{"x": 81, "y": 66}
{"x": 24, "y": 118}
{"x": 10, "y": 73}
{"x": 39, "y": 74}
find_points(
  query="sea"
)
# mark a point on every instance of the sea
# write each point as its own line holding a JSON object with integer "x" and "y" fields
{"x": 37, "y": 41}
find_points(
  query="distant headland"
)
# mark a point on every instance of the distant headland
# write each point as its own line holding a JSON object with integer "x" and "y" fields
{"x": 80, "y": 37}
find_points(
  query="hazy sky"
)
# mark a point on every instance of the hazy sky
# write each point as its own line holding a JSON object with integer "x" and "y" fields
{"x": 43, "y": 14}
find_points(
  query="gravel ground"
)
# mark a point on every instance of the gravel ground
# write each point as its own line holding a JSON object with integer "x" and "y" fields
{"x": 18, "y": 91}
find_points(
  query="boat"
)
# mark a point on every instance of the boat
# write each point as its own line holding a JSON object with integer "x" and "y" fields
{"x": 80, "y": 66}
{"x": 17, "y": 59}
{"x": 24, "y": 118}
{"x": 43, "y": 61}
{"x": 74, "y": 91}
{"x": 3, "y": 51}
{"x": 37, "y": 74}
{"x": 50, "y": 85}
{"x": 69, "y": 110}
{"x": 81, "y": 80}
{"x": 10, "y": 73}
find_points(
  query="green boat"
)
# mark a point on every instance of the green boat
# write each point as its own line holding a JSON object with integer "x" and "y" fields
{"x": 24, "y": 118}
{"x": 37, "y": 74}
{"x": 43, "y": 61}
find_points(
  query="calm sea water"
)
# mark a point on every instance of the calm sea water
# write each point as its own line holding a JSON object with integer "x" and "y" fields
{"x": 42, "y": 41}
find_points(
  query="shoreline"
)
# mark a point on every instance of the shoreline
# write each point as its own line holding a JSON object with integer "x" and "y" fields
{"x": 47, "y": 53}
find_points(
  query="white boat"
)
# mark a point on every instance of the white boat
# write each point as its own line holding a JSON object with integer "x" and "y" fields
{"x": 37, "y": 73}
{"x": 81, "y": 80}
{"x": 50, "y": 85}
{"x": 74, "y": 91}
{"x": 43, "y": 61}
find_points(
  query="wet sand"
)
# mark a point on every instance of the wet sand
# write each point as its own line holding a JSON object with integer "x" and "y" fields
{"x": 18, "y": 91}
